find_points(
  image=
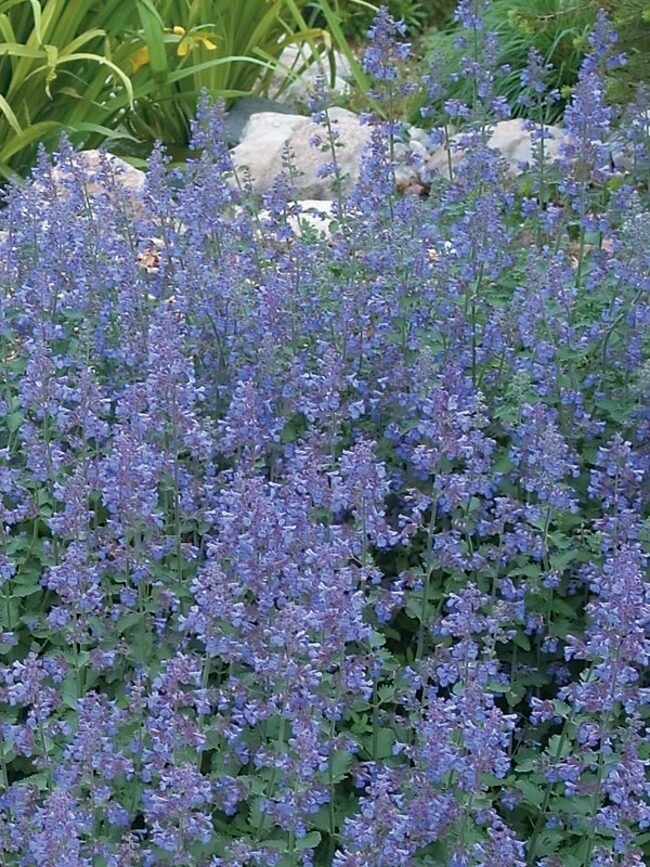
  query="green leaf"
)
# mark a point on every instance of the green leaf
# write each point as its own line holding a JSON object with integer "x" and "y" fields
{"x": 495, "y": 686}
{"x": 528, "y": 763}
{"x": 278, "y": 844}
{"x": 522, "y": 641}
{"x": 381, "y": 746}
{"x": 8, "y": 112}
{"x": 103, "y": 61}
{"x": 309, "y": 841}
{"x": 127, "y": 621}
{"x": 14, "y": 419}
{"x": 70, "y": 690}
{"x": 23, "y": 592}
{"x": 38, "y": 26}
{"x": 154, "y": 37}
{"x": 574, "y": 806}
{"x": 40, "y": 781}
{"x": 339, "y": 765}
{"x": 334, "y": 25}
{"x": 558, "y": 747}
{"x": 532, "y": 794}
{"x": 561, "y": 607}
{"x": 15, "y": 49}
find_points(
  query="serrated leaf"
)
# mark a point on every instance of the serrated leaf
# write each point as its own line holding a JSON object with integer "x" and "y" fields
{"x": 501, "y": 688}
{"x": 528, "y": 764}
{"x": 14, "y": 421}
{"x": 309, "y": 841}
{"x": 339, "y": 765}
{"x": 69, "y": 690}
{"x": 574, "y": 806}
{"x": 28, "y": 590}
{"x": 532, "y": 794}
{"x": 561, "y": 607}
{"x": 128, "y": 620}
{"x": 558, "y": 747}
{"x": 522, "y": 641}
{"x": 380, "y": 746}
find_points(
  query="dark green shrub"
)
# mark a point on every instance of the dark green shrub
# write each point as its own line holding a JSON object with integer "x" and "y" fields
{"x": 631, "y": 19}
{"x": 356, "y": 15}
{"x": 556, "y": 28}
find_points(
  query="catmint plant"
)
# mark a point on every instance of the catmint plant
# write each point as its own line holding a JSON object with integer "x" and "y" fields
{"x": 331, "y": 551}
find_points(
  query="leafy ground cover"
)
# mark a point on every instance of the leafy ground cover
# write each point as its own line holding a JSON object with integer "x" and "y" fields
{"x": 559, "y": 30}
{"x": 331, "y": 552}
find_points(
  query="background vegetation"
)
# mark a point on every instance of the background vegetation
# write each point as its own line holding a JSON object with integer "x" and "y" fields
{"x": 112, "y": 70}
{"x": 130, "y": 73}
{"x": 558, "y": 30}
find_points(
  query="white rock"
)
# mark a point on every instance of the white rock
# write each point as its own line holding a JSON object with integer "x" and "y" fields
{"x": 267, "y": 131}
{"x": 416, "y": 133}
{"x": 410, "y": 162}
{"x": 514, "y": 142}
{"x": 315, "y": 214}
{"x": 302, "y": 65}
{"x": 90, "y": 163}
{"x": 263, "y": 139}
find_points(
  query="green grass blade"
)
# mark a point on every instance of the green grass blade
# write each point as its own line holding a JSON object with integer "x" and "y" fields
{"x": 154, "y": 37}
{"x": 38, "y": 21}
{"x": 334, "y": 25}
{"x": 82, "y": 40}
{"x": 103, "y": 61}
{"x": 20, "y": 50}
{"x": 31, "y": 134}
{"x": 12, "y": 120}
{"x": 6, "y": 30}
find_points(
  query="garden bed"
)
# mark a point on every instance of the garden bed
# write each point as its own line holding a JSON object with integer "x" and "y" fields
{"x": 331, "y": 551}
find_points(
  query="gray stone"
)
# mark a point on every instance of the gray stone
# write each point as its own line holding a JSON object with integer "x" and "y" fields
{"x": 92, "y": 162}
{"x": 300, "y": 65}
{"x": 243, "y": 109}
{"x": 410, "y": 164}
{"x": 263, "y": 142}
{"x": 511, "y": 139}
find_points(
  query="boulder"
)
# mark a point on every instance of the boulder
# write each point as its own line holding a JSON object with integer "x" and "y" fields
{"x": 266, "y": 134}
{"x": 243, "y": 109}
{"x": 92, "y": 163}
{"x": 299, "y": 66}
{"x": 315, "y": 214}
{"x": 99, "y": 174}
{"x": 511, "y": 139}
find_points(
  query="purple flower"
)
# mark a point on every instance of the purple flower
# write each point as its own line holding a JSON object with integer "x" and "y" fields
{"x": 385, "y": 52}
{"x": 544, "y": 459}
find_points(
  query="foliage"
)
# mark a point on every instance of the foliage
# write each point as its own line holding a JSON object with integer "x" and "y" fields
{"x": 128, "y": 71}
{"x": 330, "y": 551}
{"x": 632, "y": 22}
{"x": 557, "y": 29}
{"x": 56, "y": 74}
{"x": 184, "y": 47}
{"x": 357, "y": 15}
